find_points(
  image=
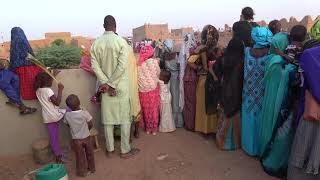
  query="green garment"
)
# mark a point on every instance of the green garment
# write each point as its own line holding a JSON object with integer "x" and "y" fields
{"x": 276, "y": 81}
{"x": 109, "y": 58}
{"x": 125, "y": 137}
{"x": 315, "y": 30}
{"x": 279, "y": 41}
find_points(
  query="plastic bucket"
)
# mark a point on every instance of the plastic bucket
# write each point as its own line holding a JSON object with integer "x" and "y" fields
{"x": 52, "y": 172}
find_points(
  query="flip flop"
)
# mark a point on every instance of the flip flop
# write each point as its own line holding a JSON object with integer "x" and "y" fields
{"x": 28, "y": 110}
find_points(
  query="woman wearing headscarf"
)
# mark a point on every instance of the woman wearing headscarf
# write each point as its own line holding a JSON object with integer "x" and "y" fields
{"x": 26, "y": 70}
{"x": 315, "y": 36}
{"x": 278, "y": 109}
{"x": 188, "y": 45}
{"x": 230, "y": 72}
{"x": 315, "y": 30}
{"x": 149, "y": 92}
{"x": 172, "y": 65}
{"x": 255, "y": 62}
{"x": 204, "y": 123}
{"x": 188, "y": 83}
{"x": 304, "y": 162}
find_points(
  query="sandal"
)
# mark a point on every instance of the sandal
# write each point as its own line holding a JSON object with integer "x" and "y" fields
{"x": 28, "y": 110}
{"x": 131, "y": 153}
{"x": 10, "y": 103}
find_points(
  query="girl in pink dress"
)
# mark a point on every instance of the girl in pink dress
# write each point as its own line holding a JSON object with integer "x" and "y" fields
{"x": 149, "y": 92}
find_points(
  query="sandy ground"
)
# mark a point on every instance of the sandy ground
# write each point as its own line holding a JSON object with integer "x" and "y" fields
{"x": 181, "y": 155}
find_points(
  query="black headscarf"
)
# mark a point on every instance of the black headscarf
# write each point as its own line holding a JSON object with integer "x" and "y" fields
{"x": 230, "y": 72}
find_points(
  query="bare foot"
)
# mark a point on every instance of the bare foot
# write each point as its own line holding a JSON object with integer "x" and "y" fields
{"x": 154, "y": 133}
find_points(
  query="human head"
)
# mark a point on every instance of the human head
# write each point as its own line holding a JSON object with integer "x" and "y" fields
{"x": 209, "y": 36}
{"x": 234, "y": 53}
{"x": 235, "y": 46}
{"x": 189, "y": 38}
{"x": 110, "y": 23}
{"x": 262, "y": 37}
{"x": 73, "y": 102}
{"x": 298, "y": 33}
{"x": 168, "y": 45}
{"x": 42, "y": 80}
{"x": 165, "y": 76}
{"x": 279, "y": 43}
{"x": 247, "y": 14}
{"x": 146, "y": 52}
{"x": 275, "y": 27}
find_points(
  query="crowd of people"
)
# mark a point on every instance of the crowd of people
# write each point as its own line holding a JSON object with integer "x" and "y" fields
{"x": 261, "y": 93}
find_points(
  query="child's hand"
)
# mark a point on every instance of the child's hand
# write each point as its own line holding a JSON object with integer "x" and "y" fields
{"x": 60, "y": 86}
{"x": 55, "y": 72}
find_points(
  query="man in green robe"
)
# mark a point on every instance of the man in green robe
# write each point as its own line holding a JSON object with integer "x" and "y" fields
{"x": 109, "y": 58}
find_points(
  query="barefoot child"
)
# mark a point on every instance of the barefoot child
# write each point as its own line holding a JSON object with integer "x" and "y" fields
{"x": 51, "y": 113}
{"x": 80, "y": 123}
{"x": 166, "y": 119}
{"x": 9, "y": 85}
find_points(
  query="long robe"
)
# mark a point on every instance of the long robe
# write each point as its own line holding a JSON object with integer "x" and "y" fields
{"x": 304, "y": 160}
{"x": 135, "y": 107}
{"x": 204, "y": 123}
{"x": 172, "y": 66}
{"x": 109, "y": 58}
{"x": 252, "y": 99}
{"x": 9, "y": 84}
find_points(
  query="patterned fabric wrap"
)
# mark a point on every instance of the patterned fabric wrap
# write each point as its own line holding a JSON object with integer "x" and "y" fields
{"x": 27, "y": 75}
{"x": 315, "y": 30}
{"x": 148, "y": 75}
{"x": 150, "y": 104}
{"x": 252, "y": 98}
{"x": 19, "y": 49}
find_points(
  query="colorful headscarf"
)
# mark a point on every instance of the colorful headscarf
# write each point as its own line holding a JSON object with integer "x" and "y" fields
{"x": 146, "y": 52}
{"x": 209, "y": 36}
{"x": 168, "y": 45}
{"x": 315, "y": 30}
{"x": 189, "y": 42}
{"x": 261, "y": 36}
{"x": 279, "y": 41}
{"x": 19, "y": 49}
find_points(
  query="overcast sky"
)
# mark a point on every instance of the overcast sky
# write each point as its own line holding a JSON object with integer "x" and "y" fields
{"x": 85, "y": 17}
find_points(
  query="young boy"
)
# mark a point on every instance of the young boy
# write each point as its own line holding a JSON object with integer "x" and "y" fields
{"x": 80, "y": 123}
{"x": 297, "y": 36}
{"x": 9, "y": 85}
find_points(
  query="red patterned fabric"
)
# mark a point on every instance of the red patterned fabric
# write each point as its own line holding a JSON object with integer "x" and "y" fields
{"x": 150, "y": 104}
{"x": 27, "y": 76}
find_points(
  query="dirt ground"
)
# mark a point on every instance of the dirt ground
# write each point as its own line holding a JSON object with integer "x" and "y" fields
{"x": 181, "y": 155}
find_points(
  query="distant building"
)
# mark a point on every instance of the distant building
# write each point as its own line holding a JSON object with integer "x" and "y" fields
{"x": 49, "y": 38}
{"x": 82, "y": 41}
{"x": 177, "y": 35}
{"x": 150, "y": 31}
{"x": 159, "y": 31}
{"x": 52, "y": 36}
